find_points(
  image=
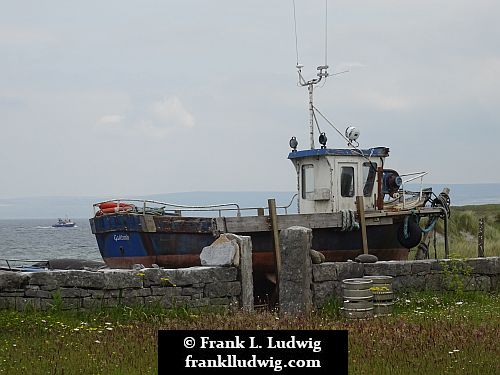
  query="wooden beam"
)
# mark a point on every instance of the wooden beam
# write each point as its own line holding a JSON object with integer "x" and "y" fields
{"x": 247, "y": 224}
{"x": 250, "y": 224}
{"x": 480, "y": 238}
{"x": 277, "y": 250}
{"x": 360, "y": 203}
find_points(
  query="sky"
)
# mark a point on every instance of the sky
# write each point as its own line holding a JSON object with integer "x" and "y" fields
{"x": 129, "y": 98}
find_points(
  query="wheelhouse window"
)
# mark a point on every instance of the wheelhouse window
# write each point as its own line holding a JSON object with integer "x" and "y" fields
{"x": 347, "y": 182}
{"x": 307, "y": 181}
{"x": 369, "y": 174}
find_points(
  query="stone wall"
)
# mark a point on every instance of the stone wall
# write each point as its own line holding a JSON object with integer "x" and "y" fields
{"x": 439, "y": 275}
{"x": 193, "y": 287}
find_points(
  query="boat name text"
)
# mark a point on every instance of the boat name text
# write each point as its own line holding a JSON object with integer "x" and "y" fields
{"x": 121, "y": 237}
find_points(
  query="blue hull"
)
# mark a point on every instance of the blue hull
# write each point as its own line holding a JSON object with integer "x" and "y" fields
{"x": 175, "y": 241}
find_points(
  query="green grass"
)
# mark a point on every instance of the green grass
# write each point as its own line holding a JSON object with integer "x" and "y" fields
{"x": 428, "y": 334}
{"x": 463, "y": 229}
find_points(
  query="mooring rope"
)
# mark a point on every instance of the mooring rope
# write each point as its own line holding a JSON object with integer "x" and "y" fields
{"x": 349, "y": 222}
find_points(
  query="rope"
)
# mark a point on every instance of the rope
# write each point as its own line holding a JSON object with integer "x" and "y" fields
{"x": 349, "y": 222}
{"x": 316, "y": 121}
{"x": 406, "y": 232}
{"x": 343, "y": 136}
{"x": 434, "y": 244}
{"x": 432, "y": 223}
{"x": 331, "y": 124}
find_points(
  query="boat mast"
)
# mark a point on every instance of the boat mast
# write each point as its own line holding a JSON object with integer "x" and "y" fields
{"x": 322, "y": 72}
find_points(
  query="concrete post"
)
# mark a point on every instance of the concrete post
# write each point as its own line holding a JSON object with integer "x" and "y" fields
{"x": 245, "y": 270}
{"x": 246, "y": 273}
{"x": 295, "y": 296}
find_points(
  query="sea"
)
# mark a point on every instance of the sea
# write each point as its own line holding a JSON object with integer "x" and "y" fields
{"x": 36, "y": 239}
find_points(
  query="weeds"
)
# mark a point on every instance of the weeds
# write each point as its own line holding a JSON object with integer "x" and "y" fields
{"x": 428, "y": 333}
{"x": 57, "y": 302}
{"x": 456, "y": 273}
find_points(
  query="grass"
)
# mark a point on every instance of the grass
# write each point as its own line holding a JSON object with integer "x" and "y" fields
{"x": 463, "y": 230}
{"x": 428, "y": 334}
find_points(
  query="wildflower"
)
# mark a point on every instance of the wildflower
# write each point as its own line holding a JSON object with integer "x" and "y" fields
{"x": 76, "y": 329}
{"x": 140, "y": 274}
{"x": 459, "y": 303}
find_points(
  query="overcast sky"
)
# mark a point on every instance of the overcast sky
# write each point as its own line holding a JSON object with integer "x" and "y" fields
{"x": 140, "y": 97}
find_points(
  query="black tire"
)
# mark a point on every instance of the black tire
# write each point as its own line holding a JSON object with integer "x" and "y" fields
{"x": 414, "y": 231}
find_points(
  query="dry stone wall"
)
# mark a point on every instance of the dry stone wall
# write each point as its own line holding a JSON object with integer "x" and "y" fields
{"x": 480, "y": 274}
{"x": 78, "y": 289}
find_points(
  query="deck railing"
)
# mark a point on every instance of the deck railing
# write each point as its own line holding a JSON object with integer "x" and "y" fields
{"x": 178, "y": 209}
{"x": 412, "y": 177}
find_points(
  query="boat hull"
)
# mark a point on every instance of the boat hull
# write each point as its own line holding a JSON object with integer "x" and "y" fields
{"x": 175, "y": 242}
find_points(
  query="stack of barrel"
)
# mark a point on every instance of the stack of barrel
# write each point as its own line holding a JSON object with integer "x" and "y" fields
{"x": 358, "y": 298}
{"x": 383, "y": 297}
{"x": 367, "y": 297}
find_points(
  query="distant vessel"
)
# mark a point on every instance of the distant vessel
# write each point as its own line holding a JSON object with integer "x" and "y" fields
{"x": 63, "y": 223}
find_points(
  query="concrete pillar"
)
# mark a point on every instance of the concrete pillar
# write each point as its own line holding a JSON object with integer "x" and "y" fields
{"x": 245, "y": 270}
{"x": 295, "y": 296}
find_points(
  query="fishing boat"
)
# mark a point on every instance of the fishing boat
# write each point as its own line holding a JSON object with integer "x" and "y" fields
{"x": 63, "y": 223}
{"x": 347, "y": 196}
{"x": 352, "y": 202}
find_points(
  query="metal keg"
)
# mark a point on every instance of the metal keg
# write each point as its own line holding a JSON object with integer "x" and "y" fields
{"x": 383, "y": 296}
{"x": 358, "y": 298}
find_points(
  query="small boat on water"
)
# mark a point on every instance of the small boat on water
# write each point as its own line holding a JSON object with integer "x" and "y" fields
{"x": 30, "y": 265}
{"x": 352, "y": 202}
{"x": 63, "y": 223}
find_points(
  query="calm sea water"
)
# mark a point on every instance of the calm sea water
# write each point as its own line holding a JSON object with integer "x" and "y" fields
{"x": 36, "y": 239}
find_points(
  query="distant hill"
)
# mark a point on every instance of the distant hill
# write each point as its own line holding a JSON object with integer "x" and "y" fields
{"x": 81, "y": 207}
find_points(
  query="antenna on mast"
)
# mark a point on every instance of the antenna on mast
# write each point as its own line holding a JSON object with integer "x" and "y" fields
{"x": 322, "y": 73}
